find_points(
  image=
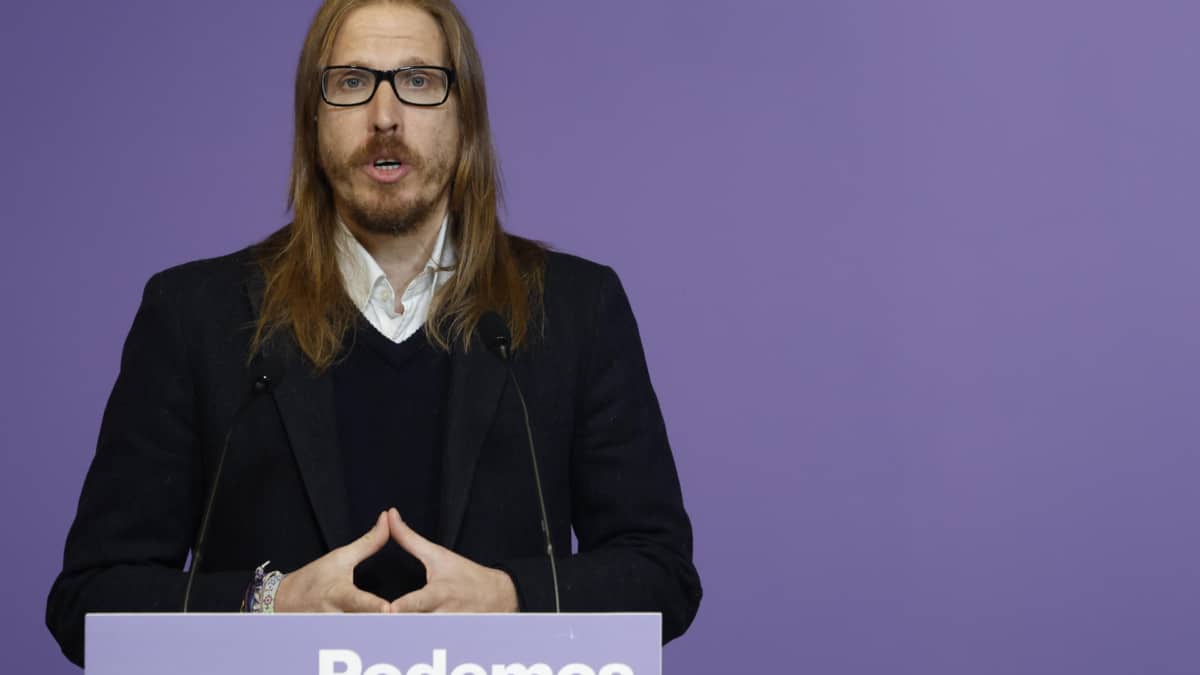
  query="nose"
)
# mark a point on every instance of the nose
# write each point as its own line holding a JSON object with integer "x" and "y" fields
{"x": 385, "y": 111}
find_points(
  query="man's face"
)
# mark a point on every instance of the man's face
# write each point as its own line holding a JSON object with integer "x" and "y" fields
{"x": 382, "y": 199}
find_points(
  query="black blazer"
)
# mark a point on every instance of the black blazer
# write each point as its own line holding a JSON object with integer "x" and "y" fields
{"x": 606, "y": 466}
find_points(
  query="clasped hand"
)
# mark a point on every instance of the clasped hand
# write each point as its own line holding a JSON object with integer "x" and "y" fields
{"x": 452, "y": 583}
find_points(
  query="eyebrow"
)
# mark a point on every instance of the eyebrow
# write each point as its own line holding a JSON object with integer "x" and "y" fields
{"x": 411, "y": 61}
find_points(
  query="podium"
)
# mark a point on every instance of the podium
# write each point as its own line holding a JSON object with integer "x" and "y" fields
{"x": 373, "y": 644}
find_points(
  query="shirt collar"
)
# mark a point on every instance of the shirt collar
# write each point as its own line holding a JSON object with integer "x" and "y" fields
{"x": 362, "y": 275}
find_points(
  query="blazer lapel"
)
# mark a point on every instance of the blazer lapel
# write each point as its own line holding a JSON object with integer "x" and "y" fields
{"x": 305, "y": 403}
{"x": 477, "y": 379}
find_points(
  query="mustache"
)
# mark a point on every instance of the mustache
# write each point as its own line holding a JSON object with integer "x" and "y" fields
{"x": 381, "y": 146}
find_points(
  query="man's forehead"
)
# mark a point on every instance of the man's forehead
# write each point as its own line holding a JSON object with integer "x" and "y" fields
{"x": 388, "y": 36}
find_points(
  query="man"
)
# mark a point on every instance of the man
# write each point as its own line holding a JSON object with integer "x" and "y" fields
{"x": 378, "y": 408}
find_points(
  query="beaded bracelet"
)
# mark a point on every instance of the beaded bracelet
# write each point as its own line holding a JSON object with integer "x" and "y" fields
{"x": 260, "y": 596}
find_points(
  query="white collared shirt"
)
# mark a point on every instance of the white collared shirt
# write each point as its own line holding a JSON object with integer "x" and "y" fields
{"x": 373, "y": 294}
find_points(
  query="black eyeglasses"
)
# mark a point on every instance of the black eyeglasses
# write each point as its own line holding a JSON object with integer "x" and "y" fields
{"x": 346, "y": 86}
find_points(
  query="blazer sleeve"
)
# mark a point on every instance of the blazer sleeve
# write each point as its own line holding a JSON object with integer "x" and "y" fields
{"x": 635, "y": 538}
{"x": 141, "y": 500}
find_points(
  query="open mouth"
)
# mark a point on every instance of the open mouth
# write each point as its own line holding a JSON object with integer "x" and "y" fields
{"x": 388, "y": 170}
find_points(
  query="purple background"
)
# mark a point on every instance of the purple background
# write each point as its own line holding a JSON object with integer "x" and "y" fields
{"x": 916, "y": 280}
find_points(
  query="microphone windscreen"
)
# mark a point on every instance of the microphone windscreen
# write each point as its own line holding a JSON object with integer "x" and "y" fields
{"x": 493, "y": 330}
{"x": 266, "y": 372}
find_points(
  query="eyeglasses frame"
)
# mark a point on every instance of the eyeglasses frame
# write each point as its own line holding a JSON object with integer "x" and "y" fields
{"x": 389, "y": 76}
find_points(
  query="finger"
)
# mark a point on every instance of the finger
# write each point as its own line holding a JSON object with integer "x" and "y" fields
{"x": 369, "y": 544}
{"x": 354, "y": 600}
{"x": 422, "y": 549}
{"x": 420, "y": 601}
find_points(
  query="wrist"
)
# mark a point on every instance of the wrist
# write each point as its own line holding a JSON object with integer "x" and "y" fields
{"x": 262, "y": 593}
{"x": 282, "y": 598}
{"x": 265, "y": 603}
{"x": 507, "y": 593}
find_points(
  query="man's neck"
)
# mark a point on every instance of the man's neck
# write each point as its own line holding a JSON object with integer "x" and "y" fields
{"x": 402, "y": 256}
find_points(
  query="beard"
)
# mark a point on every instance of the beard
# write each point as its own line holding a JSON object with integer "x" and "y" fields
{"x": 380, "y": 208}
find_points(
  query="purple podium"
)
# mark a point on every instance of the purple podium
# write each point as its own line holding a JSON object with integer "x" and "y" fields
{"x": 374, "y": 644}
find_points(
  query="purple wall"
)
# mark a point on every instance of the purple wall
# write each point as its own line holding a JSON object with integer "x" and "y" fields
{"x": 917, "y": 283}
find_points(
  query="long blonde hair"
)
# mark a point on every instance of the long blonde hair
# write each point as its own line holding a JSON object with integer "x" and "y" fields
{"x": 495, "y": 271}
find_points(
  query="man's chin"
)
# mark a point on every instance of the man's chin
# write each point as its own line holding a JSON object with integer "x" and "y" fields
{"x": 387, "y": 209}
{"x": 390, "y": 219}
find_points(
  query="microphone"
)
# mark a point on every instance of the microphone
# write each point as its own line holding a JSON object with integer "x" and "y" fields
{"x": 264, "y": 378}
{"x": 494, "y": 332}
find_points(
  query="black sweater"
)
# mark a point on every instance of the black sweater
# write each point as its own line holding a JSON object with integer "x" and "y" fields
{"x": 390, "y": 401}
